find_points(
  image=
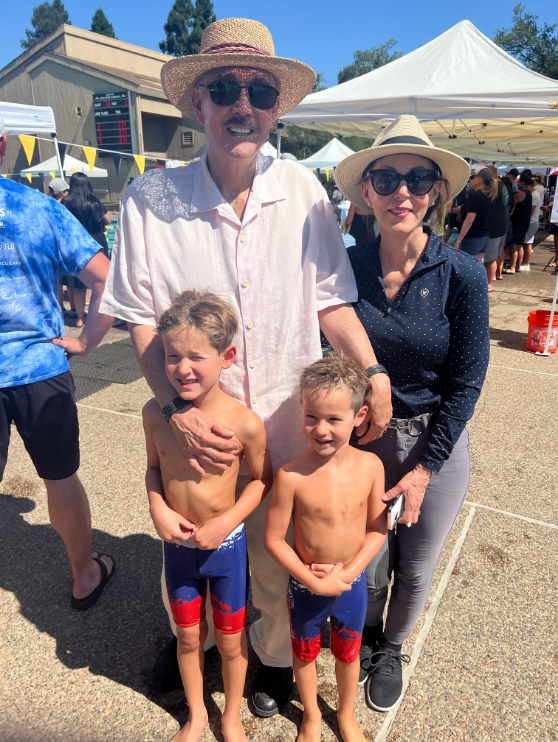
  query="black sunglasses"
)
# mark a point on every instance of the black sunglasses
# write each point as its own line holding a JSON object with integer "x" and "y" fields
{"x": 224, "y": 93}
{"x": 419, "y": 180}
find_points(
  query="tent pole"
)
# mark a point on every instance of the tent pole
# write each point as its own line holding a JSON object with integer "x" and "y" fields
{"x": 279, "y": 130}
{"x": 58, "y": 156}
{"x": 549, "y": 330}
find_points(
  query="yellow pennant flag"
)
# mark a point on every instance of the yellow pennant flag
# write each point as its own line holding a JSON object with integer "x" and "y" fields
{"x": 140, "y": 162}
{"x": 28, "y": 144}
{"x": 52, "y": 174}
{"x": 327, "y": 173}
{"x": 73, "y": 171}
{"x": 29, "y": 177}
{"x": 90, "y": 155}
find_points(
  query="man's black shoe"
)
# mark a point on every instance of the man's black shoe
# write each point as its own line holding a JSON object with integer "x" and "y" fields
{"x": 165, "y": 675}
{"x": 371, "y": 636}
{"x": 271, "y": 690}
{"x": 385, "y": 682}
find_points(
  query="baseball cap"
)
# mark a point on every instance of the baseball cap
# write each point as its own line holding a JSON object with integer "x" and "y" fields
{"x": 58, "y": 185}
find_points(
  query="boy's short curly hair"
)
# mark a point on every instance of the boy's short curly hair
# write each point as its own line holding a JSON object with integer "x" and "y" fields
{"x": 206, "y": 312}
{"x": 335, "y": 372}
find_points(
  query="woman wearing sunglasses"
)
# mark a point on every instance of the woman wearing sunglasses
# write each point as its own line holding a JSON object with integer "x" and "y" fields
{"x": 424, "y": 306}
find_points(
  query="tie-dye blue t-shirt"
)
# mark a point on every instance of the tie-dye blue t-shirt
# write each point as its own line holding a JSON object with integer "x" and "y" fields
{"x": 39, "y": 239}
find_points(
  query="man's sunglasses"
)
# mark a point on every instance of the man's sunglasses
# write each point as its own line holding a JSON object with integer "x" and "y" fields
{"x": 224, "y": 93}
{"x": 419, "y": 180}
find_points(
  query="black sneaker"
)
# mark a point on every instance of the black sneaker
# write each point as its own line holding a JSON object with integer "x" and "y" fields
{"x": 385, "y": 682}
{"x": 371, "y": 636}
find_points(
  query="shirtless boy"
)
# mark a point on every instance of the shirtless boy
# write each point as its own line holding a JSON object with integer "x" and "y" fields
{"x": 333, "y": 492}
{"x": 197, "y": 516}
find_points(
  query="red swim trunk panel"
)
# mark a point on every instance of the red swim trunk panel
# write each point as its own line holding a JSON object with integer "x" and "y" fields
{"x": 188, "y": 614}
{"x": 228, "y": 623}
{"x": 306, "y": 649}
{"x": 345, "y": 644}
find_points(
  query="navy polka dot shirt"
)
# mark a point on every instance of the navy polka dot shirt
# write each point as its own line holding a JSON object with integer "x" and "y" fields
{"x": 432, "y": 339}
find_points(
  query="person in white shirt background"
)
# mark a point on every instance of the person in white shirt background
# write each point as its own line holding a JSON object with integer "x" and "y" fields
{"x": 261, "y": 234}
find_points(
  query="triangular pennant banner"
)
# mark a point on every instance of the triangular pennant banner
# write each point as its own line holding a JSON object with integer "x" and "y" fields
{"x": 28, "y": 144}
{"x": 140, "y": 162}
{"x": 52, "y": 174}
{"x": 327, "y": 174}
{"x": 62, "y": 150}
{"x": 117, "y": 159}
{"x": 29, "y": 176}
{"x": 90, "y": 155}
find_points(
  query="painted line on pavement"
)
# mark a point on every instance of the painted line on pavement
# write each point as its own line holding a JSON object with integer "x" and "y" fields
{"x": 111, "y": 412}
{"x": 382, "y": 735}
{"x": 512, "y": 515}
{"x": 523, "y": 370}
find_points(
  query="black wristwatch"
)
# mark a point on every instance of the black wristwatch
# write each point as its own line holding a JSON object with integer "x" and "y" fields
{"x": 176, "y": 405}
{"x": 376, "y": 369}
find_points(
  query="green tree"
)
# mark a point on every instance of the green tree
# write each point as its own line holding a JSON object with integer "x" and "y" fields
{"x": 320, "y": 83}
{"x": 101, "y": 24}
{"x": 368, "y": 60}
{"x": 536, "y": 48}
{"x": 45, "y": 19}
{"x": 185, "y": 26}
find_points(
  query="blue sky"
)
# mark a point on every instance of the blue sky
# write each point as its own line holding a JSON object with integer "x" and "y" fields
{"x": 322, "y": 33}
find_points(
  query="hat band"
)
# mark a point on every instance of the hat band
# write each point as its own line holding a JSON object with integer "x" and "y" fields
{"x": 226, "y": 48}
{"x": 405, "y": 140}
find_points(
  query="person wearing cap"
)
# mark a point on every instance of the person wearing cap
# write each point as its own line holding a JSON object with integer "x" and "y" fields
{"x": 476, "y": 212}
{"x": 36, "y": 386}
{"x": 425, "y": 308}
{"x": 58, "y": 189}
{"x": 260, "y": 232}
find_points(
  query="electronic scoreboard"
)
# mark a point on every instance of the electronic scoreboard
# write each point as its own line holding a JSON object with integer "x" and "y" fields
{"x": 112, "y": 121}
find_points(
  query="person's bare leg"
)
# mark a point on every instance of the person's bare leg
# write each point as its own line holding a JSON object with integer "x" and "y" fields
{"x": 191, "y": 663}
{"x": 70, "y": 517}
{"x": 500, "y": 265}
{"x": 79, "y": 298}
{"x": 490, "y": 268}
{"x": 527, "y": 252}
{"x": 71, "y": 297}
{"x": 513, "y": 258}
{"x": 234, "y": 663}
{"x": 518, "y": 257}
{"x": 347, "y": 686}
{"x": 306, "y": 678}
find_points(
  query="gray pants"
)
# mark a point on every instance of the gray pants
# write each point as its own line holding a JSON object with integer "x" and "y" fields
{"x": 411, "y": 554}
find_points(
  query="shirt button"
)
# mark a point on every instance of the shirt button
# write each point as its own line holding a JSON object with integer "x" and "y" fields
{"x": 255, "y": 400}
{"x": 389, "y": 310}
{"x": 243, "y": 238}
{"x": 249, "y": 325}
{"x": 245, "y": 283}
{"x": 252, "y": 364}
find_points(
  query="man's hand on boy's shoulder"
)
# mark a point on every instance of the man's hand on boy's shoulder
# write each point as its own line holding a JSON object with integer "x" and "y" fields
{"x": 203, "y": 440}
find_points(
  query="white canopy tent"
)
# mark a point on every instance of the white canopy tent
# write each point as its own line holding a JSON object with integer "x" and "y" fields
{"x": 71, "y": 165}
{"x": 33, "y": 120}
{"x": 328, "y": 156}
{"x": 470, "y": 95}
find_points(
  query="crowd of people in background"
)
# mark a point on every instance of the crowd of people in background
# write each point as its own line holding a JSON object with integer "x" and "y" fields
{"x": 495, "y": 219}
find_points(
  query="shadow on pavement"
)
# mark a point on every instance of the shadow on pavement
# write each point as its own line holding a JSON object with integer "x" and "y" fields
{"x": 509, "y": 339}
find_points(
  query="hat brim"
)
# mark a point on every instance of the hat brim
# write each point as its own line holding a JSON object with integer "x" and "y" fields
{"x": 348, "y": 174}
{"x": 179, "y": 77}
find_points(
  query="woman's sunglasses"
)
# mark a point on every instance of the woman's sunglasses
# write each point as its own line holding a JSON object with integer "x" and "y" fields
{"x": 419, "y": 180}
{"x": 224, "y": 93}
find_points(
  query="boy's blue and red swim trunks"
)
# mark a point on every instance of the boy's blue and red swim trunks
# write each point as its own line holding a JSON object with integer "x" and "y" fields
{"x": 309, "y": 613}
{"x": 189, "y": 569}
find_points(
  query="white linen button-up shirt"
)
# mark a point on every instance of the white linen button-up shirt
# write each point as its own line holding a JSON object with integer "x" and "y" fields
{"x": 278, "y": 267}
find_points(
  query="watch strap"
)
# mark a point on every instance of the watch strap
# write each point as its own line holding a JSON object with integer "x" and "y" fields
{"x": 377, "y": 368}
{"x": 176, "y": 405}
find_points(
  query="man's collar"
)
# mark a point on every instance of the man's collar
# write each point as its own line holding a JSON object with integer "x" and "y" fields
{"x": 266, "y": 189}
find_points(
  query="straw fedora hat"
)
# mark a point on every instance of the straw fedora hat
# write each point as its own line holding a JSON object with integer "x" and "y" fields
{"x": 236, "y": 42}
{"x": 402, "y": 136}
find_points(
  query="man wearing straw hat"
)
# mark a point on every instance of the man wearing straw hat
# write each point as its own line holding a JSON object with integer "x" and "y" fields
{"x": 260, "y": 233}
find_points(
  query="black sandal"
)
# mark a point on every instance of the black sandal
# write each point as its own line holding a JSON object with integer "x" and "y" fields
{"x": 83, "y": 604}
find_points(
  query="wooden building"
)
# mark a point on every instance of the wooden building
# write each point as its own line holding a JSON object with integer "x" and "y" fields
{"x": 66, "y": 70}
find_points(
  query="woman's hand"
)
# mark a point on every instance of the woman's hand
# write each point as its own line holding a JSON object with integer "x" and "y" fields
{"x": 412, "y": 487}
{"x": 203, "y": 440}
{"x": 170, "y": 525}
